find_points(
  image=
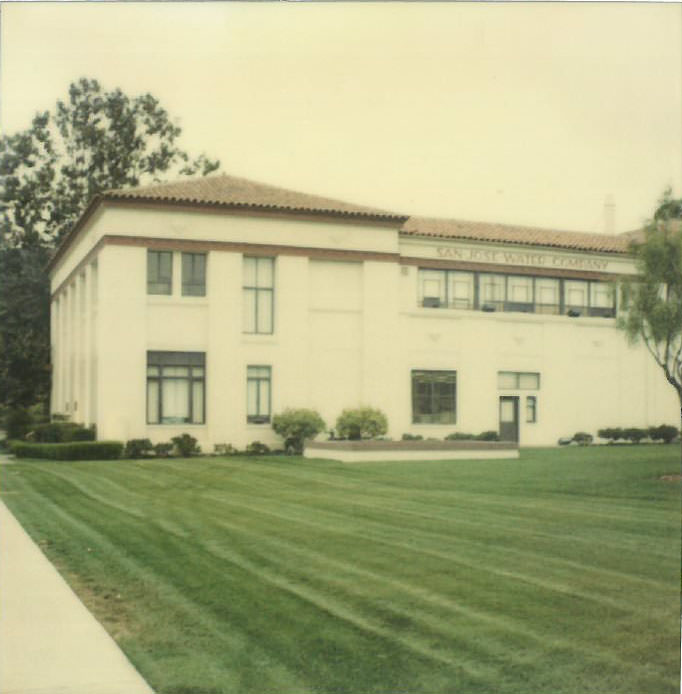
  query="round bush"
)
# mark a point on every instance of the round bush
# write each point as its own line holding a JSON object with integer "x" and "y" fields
{"x": 361, "y": 423}
{"x": 297, "y": 425}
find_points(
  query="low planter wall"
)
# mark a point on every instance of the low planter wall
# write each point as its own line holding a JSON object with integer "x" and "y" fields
{"x": 367, "y": 451}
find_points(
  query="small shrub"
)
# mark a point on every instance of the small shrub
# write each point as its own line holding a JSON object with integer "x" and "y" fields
{"x": 186, "y": 445}
{"x": 612, "y": 434}
{"x": 459, "y": 436}
{"x": 582, "y": 438}
{"x": 488, "y": 436}
{"x": 163, "y": 450}
{"x": 635, "y": 434}
{"x": 664, "y": 432}
{"x": 606, "y": 433}
{"x": 138, "y": 448}
{"x": 72, "y": 450}
{"x": 295, "y": 426}
{"x": 224, "y": 449}
{"x": 412, "y": 437}
{"x": 257, "y": 448}
{"x": 17, "y": 423}
{"x": 361, "y": 423}
{"x": 565, "y": 441}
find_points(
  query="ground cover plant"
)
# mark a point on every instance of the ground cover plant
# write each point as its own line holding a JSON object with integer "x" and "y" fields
{"x": 557, "y": 573}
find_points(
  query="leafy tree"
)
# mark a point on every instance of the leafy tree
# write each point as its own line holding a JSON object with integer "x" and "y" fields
{"x": 653, "y": 297}
{"x": 24, "y": 326}
{"x": 93, "y": 141}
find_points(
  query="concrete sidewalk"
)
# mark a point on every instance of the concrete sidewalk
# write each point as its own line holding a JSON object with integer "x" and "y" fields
{"x": 49, "y": 642}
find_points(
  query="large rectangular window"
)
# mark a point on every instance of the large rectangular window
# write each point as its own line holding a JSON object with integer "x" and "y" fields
{"x": 258, "y": 291}
{"x": 194, "y": 274}
{"x": 159, "y": 272}
{"x": 175, "y": 387}
{"x": 258, "y": 394}
{"x": 434, "y": 397}
{"x": 446, "y": 289}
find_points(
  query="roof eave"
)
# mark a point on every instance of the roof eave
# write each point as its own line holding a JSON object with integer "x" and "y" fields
{"x": 98, "y": 200}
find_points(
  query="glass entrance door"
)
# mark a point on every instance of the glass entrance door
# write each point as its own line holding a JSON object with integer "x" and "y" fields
{"x": 509, "y": 418}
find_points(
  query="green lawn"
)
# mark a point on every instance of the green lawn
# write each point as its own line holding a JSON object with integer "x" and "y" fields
{"x": 556, "y": 573}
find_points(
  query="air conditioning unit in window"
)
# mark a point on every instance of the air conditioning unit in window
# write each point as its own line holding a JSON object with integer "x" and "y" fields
{"x": 431, "y": 302}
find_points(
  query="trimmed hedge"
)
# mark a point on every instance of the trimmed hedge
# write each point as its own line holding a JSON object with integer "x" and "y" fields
{"x": 61, "y": 432}
{"x": 75, "y": 450}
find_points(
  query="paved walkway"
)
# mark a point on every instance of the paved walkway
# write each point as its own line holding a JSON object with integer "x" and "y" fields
{"x": 49, "y": 642}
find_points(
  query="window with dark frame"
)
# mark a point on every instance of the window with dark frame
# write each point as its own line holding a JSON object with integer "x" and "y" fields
{"x": 518, "y": 380}
{"x": 531, "y": 408}
{"x": 194, "y": 274}
{"x": 159, "y": 272}
{"x": 176, "y": 387}
{"x": 258, "y": 292}
{"x": 258, "y": 394}
{"x": 434, "y": 397}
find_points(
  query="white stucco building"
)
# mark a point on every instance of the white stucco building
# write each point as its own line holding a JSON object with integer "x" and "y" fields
{"x": 209, "y": 305}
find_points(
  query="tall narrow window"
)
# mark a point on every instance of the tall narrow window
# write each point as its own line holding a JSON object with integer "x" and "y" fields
{"x": 175, "y": 387}
{"x": 194, "y": 274}
{"x": 258, "y": 289}
{"x": 602, "y": 296}
{"x": 461, "y": 289}
{"x": 492, "y": 288}
{"x": 434, "y": 397}
{"x": 258, "y": 394}
{"x": 531, "y": 408}
{"x": 547, "y": 295}
{"x": 159, "y": 272}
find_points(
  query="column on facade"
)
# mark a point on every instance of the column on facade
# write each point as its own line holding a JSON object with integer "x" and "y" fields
{"x": 63, "y": 350}
{"x": 383, "y": 384}
{"x": 93, "y": 290}
{"x": 54, "y": 354}
{"x": 86, "y": 345}
{"x": 68, "y": 350}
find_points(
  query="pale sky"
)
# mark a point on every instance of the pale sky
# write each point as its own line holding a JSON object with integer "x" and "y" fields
{"x": 526, "y": 113}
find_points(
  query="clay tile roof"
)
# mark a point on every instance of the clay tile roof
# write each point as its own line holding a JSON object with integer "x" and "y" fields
{"x": 505, "y": 233}
{"x": 234, "y": 192}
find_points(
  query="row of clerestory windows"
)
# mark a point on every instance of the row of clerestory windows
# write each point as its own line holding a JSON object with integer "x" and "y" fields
{"x": 521, "y": 293}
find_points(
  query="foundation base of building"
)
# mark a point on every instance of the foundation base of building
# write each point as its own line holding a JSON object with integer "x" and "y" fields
{"x": 368, "y": 451}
